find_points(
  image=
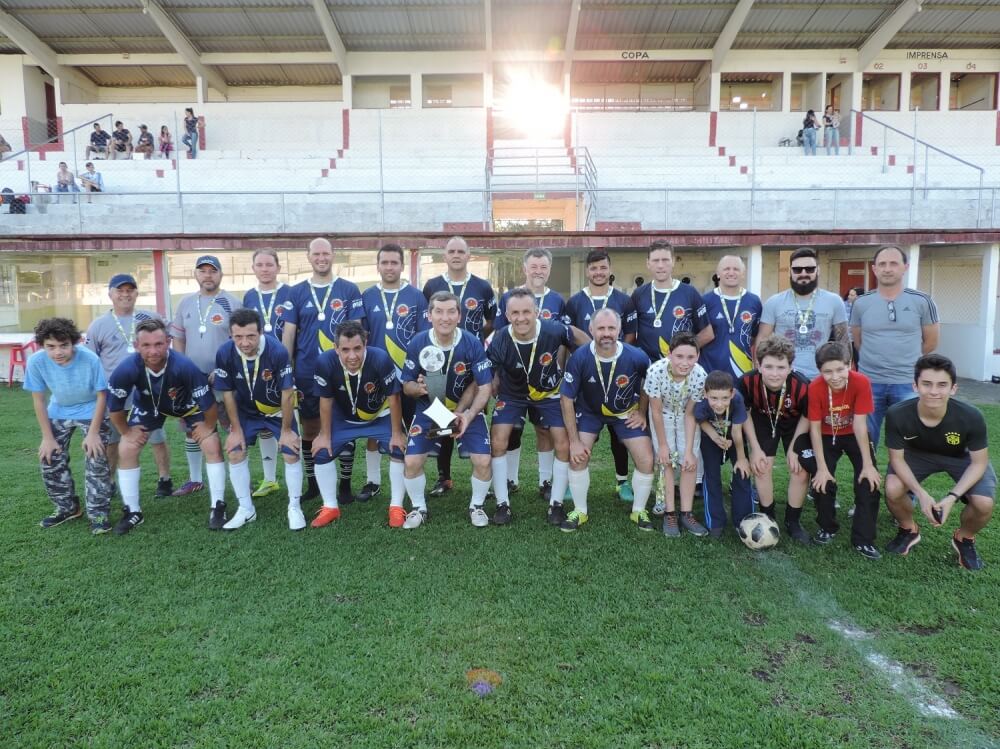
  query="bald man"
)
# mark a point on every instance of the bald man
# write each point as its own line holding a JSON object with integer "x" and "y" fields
{"x": 734, "y": 314}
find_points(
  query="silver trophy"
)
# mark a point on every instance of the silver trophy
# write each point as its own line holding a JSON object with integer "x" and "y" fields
{"x": 432, "y": 361}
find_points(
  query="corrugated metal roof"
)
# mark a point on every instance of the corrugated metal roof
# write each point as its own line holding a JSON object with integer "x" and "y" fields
{"x": 137, "y": 76}
{"x": 411, "y": 43}
{"x": 108, "y": 45}
{"x": 530, "y": 25}
{"x": 635, "y": 72}
{"x": 280, "y": 75}
{"x": 430, "y": 20}
{"x": 131, "y": 23}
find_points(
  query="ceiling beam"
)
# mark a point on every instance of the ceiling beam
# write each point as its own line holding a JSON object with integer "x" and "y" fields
{"x": 574, "y": 25}
{"x": 332, "y": 34}
{"x": 728, "y": 34}
{"x": 184, "y": 48}
{"x": 488, "y": 26}
{"x": 43, "y": 54}
{"x": 879, "y": 38}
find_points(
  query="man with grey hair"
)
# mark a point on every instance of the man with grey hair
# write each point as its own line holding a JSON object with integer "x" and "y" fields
{"x": 892, "y": 327}
{"x": 734, "y": 314}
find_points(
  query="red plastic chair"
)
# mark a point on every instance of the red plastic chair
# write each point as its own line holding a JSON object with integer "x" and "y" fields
{"x": 19, "y": 358}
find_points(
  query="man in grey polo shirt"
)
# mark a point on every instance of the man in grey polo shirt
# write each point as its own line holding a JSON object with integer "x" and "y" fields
{"x": 892, "y": 327}
{"x": 199, "y": 328}
{"x": 805, "y": 314}
{"x": 112, "y": 337}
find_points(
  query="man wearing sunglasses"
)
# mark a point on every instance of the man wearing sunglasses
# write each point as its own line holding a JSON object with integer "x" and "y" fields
{"x": 898, "y": 326}
{"x": 805, "y": 314}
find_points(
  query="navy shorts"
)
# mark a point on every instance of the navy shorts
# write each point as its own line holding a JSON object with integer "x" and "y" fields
{"x": 545, "y": 413}
{"x": 588, "y": 421}
{"x": 476, "y": 439}
{"x": 346, "y": 433}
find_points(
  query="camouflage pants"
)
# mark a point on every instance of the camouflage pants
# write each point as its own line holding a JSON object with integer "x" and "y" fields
{"x": 58, "y": 478}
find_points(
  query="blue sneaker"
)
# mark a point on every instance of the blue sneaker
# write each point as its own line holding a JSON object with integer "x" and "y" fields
{"x": 625, "y": 493}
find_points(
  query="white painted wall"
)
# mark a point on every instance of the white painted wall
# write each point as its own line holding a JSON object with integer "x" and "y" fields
{"x": 600, "y": 130}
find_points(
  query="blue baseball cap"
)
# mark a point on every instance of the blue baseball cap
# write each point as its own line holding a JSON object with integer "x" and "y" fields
{"x": 121, "y": 279}
{"x": 209, "y": 260}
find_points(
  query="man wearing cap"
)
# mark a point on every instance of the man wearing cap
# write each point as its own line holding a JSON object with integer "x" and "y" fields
{"x": 199, "y": 328}
{"x": 112, "y": 337}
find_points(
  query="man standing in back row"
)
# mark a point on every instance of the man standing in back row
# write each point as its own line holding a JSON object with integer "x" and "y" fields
{"x": 734, "y": 314}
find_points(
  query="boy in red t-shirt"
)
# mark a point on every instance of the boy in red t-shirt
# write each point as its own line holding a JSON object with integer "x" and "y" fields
{"x": 839, "y": 402}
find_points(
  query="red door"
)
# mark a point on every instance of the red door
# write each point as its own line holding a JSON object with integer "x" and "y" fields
{"x": 852, "y": 273}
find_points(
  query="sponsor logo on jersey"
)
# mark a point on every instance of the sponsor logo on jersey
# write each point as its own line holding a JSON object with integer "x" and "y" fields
{"x": 568, "y": 377}
{"x": 320, "y": 380}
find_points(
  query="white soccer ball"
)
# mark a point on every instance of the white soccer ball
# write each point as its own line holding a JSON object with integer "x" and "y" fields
{"x": 758, "y": 531}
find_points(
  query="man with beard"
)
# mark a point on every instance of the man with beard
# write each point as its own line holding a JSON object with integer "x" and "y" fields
{"x": 805, "y": 314}
{"x": 199, "y": 328}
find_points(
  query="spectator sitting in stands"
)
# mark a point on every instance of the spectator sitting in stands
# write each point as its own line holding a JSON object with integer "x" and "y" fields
{"x": 190, "y": 138}
{"x": 145, "y": 143}
{"x": 166, "y": 142}
{"x": 65, "y": 181}
{"x": 98, "y": 142}
{"x": 123, "y": 142}
{"x": 90, "y": 180}
{"x": 4, "y": 147}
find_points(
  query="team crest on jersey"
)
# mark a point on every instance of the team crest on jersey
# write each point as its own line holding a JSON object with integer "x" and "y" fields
{"x": 678, "y": 312}
{"x": 217, "y": 319}
{"x": 952, "y": 438}
{"x": 336, "y": 304}
{"x": 746, "y": 316}
{"x": 415, "y": 430}
{"x": 545, "y": 359}
{"x": 279, "y": 311}
{"x": 499, "y": 406}
{"x": 621, "y": 380}
{"x": 267, "y": 375}
{"x": 471, "y": 304}
{"x": 402, "y": 310}
{"x": 460, "y": 368}
{"x": 172, "y": 393}
{"x": 369, "y": 387}
{"x": 546, "y": 314}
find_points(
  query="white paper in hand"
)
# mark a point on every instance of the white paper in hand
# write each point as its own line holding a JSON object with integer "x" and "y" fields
{"x": 438, "y": 413}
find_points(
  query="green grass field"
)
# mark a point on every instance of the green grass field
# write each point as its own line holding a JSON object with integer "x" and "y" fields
{"x": 357, "y": 635}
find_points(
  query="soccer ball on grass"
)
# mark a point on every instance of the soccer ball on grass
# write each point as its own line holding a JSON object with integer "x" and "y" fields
{"x": 758, "y": 531}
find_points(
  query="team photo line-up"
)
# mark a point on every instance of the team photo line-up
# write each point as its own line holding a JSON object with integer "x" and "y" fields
{"x": 682, "y": 382}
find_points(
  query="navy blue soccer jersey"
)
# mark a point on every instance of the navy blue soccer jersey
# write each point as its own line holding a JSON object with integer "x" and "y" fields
{"x": 361, "y": 397}
{"x": 723, "y": 423}
{"x": 551, "y": 306}
{"x": 465, "y": 363}
{"x": 540, "y": 357}
{"x": 273, "y": 306}
{"x": 407, "y": 313}
{"x": 256, "y": 383}
{"x": 581, "y": 307}
{"x": 477, "y": 301}
{"x": 663, "y": 314}
{"x": 179, "y": 390}
{"x": 336, "y": 302}
{"x": 605, "y": 388}
{"x": 735, "y": 322}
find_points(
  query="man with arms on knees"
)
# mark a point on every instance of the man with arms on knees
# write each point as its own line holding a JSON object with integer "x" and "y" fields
{"x": 598, "y": 294}
{"x": 319, "y": 305}
{"x": 358, "y": 391}
{"x": 162, "y": 383}
{"x": 254, "y": 375}
{"x": 449, "y": 359}
{"x": 603, "y": 387}
{"x": 892, "y": 327}
{"x": 526, "y": 379}
{"x": 112, "y": 337}
{"x": 734, "y": 314}
{"x": 805, "y": 314}
{"x": 478, "y": 307}
{"x": 395, "y": 312}
{"x": 934, "y": 433}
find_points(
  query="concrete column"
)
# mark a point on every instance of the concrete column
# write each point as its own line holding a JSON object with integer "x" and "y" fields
{"x": 714, "y": 91}
{"x": 416, "y": 91}
{"x": 755, "y": 269}
{"x": 786, "y": 92}
{"x": 944, "y": 91}
{"x": 904, "y": 91}
{"x": 988, "y": 308}
{"x": 347, "y": 91}
{"x": 201, "y": 90}
{"x": 488, "y": 89}
{"x": 913, "y": 272}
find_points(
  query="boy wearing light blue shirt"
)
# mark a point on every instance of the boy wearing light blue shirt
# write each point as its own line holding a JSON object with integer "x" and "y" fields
{"x": 73, "y": 376}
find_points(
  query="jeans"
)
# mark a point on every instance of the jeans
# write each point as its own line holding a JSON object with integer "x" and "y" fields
{"x": 883, "y": 396}
{"x": 831, "y": 137}
{"x": 191, "y": 141}
{"x": 809, "y": 140}
{"x": 71, "y": 187}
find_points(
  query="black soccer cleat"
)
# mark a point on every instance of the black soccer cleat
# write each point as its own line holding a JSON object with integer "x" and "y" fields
{"x": 164, "y": 487}
{"x": 368, "y": 491}
{"x": 217, "y": 517}
{"x": 967, "y": 556}
{"x": 129, "y": 521}
{"x": 906, "y": 539}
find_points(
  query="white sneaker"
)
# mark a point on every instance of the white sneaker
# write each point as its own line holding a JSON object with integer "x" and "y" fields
{"x": 478, "y": 517}
{"x": 850, "y": 513}
{"x": 296, "y": 518}
{"x": 415, "y": 519}
{"x": 659, "y": 509}
{"x": 240, "y": 518}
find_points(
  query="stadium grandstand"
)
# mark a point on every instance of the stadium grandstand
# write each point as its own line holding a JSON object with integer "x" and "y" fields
{"x": 565, "y": 124}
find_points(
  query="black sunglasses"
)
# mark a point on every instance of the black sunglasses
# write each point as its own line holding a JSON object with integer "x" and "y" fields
{"x": 804, "y": 268}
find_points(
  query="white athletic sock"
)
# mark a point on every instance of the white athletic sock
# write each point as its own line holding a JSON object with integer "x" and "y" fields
{"x": 326, "y": 477}
{"x": 397, "y": 486}
{"x": 239, "y": 477}
{"x": 128, "y": 485}
{"x": 415, "y": 488}
{"x": 579, "y": 485}
{"x": 514, "y": 466}
{"x": 479, "y": 489}
{"x": 193, "y": 452}
{"x": 642, "y": 485}
{"x": 545, "y": 462}
{"x": 560, "y": 480}
{"x": 293, "y": 480}
{"x": 619, "y": 478}
{"x": 269, "y": 457}
{"x": 373, "y": 467}
{"x": 217, "y": 482}
{"x": 500, "y": 480}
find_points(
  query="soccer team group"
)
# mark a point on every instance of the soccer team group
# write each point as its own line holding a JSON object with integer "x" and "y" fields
{"x": 682, "y": 382}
